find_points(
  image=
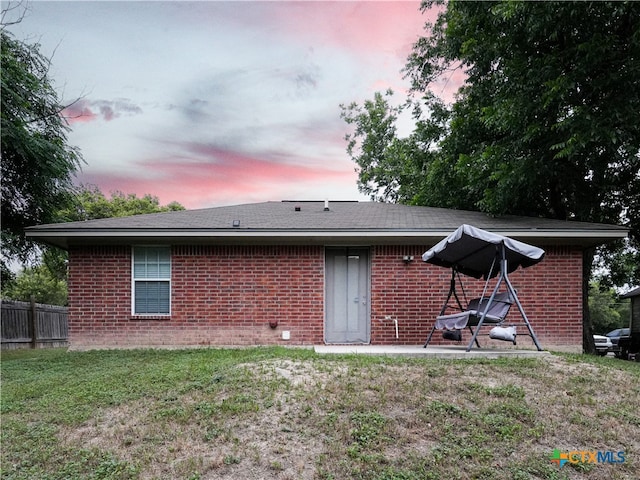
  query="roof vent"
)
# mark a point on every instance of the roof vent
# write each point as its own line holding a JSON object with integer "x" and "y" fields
{"x": 236, "y": 223}
{"x": 326, "y": 205}
{"x": 297, "y": 209}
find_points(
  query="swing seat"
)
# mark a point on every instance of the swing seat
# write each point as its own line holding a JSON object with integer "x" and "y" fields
{"x": 474, "y": 252}
{"x": 496, "y": 313}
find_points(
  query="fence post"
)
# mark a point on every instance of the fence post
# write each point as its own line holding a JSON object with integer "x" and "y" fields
{"x": 34, "y": 313}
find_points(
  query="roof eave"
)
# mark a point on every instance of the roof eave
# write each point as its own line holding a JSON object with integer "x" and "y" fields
{"x": 66, "y": 238}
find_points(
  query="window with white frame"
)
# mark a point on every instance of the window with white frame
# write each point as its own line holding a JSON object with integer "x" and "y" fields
{"x": 151, "y": 281}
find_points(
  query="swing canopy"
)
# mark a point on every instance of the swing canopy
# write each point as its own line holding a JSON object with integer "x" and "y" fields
{"x": 473, "y": 252}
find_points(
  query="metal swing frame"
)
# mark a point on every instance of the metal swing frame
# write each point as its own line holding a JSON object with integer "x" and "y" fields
{"x": 503, "y": 278}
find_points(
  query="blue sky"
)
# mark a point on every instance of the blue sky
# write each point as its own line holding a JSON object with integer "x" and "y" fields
{"x": 216, "y": 103}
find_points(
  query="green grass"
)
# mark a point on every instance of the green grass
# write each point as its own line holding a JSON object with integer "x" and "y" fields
{"x": 288, "y": 413}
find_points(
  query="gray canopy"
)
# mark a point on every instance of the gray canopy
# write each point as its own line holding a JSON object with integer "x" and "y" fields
{"x": 477, "y": 253}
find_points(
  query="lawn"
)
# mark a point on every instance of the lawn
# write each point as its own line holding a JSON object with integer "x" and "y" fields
{"x": 291, "y": 414}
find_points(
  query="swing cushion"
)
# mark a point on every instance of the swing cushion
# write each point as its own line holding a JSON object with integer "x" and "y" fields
{"x": 471, "y": 317}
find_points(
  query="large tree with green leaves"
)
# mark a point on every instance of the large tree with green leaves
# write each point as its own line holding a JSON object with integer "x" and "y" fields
{"x": 47, "y": 280}
{"x": 546, "y": 123}
{"x": 90, "y": 203}
{"x": 39, "y": 283}
{"x": 38, "y": 164}
{"x": 608, "y": 311}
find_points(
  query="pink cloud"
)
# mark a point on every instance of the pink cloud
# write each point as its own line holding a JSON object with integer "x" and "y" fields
{"x": 217, "y": 178}
{"x": 201, "y": 175}
{"x": 358, "y": 26}
{"x": 380, "y": 31}
{"x": 84, "y": 110}
{"x": 79, "y": 112}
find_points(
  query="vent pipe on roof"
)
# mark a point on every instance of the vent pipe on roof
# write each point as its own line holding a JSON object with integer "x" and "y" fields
{"x": 326, "y": 205}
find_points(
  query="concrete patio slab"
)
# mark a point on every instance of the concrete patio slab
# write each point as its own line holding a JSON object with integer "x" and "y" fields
{"x": 429, "y": 352}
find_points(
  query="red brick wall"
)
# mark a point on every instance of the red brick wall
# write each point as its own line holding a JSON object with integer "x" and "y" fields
{"x": 99, "y": 295}
{"x": 220, "y": 296}
{"x": 550, "y": 293}
{"x": 228, "y": 295}
{"x": 233, "y": 293}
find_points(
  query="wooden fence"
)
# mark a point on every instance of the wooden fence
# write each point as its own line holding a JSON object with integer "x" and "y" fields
{"x": 21, "y": 319}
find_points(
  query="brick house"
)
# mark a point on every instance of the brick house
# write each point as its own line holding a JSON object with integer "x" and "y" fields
{"x": 299, "y": 273}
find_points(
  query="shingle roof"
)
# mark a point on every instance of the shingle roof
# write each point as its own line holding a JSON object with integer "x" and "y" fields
{"x": 310, "y": 220}
{"x": 633, "y": 293}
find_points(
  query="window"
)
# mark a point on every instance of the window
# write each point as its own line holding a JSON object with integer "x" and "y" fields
{"x": 151, "y": 280}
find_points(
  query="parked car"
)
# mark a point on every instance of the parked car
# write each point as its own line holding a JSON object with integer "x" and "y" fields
{"x": 603, "y": 344}
{"x": 615, "y": 336}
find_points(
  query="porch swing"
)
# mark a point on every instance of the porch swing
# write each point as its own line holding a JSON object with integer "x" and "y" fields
{"x": 481, "y": 254}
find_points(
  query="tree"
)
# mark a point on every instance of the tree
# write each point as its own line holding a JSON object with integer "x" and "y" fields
{"x": 37, "y": 282}
{"x": 607, "y": 311}
{"x": 47, "y": 280}
{"x": 390, "y": 169}
{"x": 545, "y": 123}
{"x": 38, "y": 165}
{"x": 90, "y": 203}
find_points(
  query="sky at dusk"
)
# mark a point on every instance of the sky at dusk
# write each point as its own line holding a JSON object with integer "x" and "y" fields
{"x": 218, "y": 103}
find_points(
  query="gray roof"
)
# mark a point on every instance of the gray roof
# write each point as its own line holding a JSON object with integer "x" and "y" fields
{"x": 307, "y": 222}
{"x": 633, "y": 293}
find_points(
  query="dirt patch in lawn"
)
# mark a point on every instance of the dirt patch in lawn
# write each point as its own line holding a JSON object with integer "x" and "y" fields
{"x": 218, "y": 434}
{"x": 290, "y": 419}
